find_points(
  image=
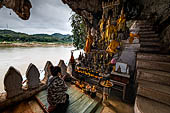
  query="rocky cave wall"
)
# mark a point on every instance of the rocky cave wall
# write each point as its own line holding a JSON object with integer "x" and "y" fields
{"x": 20, "y": 7}
{"x": 90, "y": 10}
{"x": 156, "y": 11}
{"x": 165, "y": 36}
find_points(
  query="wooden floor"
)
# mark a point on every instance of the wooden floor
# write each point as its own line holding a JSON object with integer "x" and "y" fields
{"x": 78, "y": 102}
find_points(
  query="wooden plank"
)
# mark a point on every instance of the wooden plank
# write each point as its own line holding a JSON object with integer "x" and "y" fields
{"x": 77, "y": 102}
{"x": 86, "y": 103}
{"x": 74, "y": 96}
{"x": 89, "y": 104}
{"x": 99, "y": 109}
{"x": 91, "y": 107}
{"x": 80, "y": 104}
{"x": 42, "y": 93}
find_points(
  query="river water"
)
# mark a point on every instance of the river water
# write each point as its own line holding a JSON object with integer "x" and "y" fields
{"x": 21, "y": 57}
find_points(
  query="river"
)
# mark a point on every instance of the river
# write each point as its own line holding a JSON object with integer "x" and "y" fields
{"x": 21, "y": 57}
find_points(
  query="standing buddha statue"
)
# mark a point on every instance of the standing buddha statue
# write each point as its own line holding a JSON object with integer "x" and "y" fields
{"x": 89, "y": 42}
{"x": 110, "y": 30}
{"x": 102, "y": 30}
{"x": 121, "y": 22}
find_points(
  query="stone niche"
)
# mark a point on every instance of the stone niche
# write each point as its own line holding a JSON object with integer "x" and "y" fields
{"x": 13, "y": 82}
{"x": 32, "y": 75}
{"x": 47, "y": 71}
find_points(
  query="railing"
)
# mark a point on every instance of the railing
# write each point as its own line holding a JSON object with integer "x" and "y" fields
{"x": 16, "y": 91}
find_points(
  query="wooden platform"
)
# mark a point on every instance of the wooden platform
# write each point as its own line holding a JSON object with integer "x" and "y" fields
{"x": 78, "y": 102}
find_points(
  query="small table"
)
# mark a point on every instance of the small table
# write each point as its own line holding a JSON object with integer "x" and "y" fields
{"x": 106, "y": 89}
{"x": 122, "y": 81}
{"x": 122, "y": 85}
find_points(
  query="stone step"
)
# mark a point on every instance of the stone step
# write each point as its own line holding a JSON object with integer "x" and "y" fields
{"x": 154, "y": 39}
{"x": 150, "y": 50}
{"x": 153, "y": 57}
{"x": 144, "y": 25}
{"x": 148, "y": 35}
{"x": 150, "y": 44}
{"x": 154, "y": 65}
{"x": 146, "y": 32}
{"x": 157, "y": 92}
{"x": 143, "y": 22}
{"x": 153, "y": 76}
{"x": 145, "y": 105}
{"x": 145, "y": 29}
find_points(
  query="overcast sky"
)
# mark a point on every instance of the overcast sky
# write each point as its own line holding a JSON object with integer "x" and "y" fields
{"x": 47, "y": 16}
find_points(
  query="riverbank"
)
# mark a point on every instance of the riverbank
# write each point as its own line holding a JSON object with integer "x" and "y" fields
{"x": 32, "y": 44}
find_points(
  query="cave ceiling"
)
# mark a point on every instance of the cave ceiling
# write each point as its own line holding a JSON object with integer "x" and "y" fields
{"x": 92, "y": 10}
{"x": 20, "y": 7}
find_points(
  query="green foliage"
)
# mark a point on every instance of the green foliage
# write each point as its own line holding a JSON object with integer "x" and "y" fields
{"x": 79, "y": 31}
{"x": 11, "y": 36}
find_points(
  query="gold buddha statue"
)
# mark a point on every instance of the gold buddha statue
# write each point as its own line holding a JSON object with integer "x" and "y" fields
{"x": 89, "y": 42}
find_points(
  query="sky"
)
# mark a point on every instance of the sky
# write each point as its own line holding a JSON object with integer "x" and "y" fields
{"x": 47, "y": 17}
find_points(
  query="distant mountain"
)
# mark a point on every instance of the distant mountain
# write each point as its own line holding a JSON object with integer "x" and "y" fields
{"x": 60, "y": 35}
{"x": 9, "y": 35}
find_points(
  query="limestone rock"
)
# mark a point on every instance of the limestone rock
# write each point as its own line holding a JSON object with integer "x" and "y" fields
{"x": 13, "y": 82}
{"x": 90, "y": 10}
{"x": 20, "y": 7}
{"x": 33, "y": 75}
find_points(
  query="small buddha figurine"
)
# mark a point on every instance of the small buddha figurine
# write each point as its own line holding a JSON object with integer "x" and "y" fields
{"x": 80, "y": 56}
{"x": 72, "y": 58}
{"x": 88, "y": 87}
{"x": 93, "y": 92}
{"x": 77, "y": 83}
{"x": 82, "y": 86}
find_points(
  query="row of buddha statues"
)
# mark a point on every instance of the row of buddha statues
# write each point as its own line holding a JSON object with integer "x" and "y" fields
{"x": 101, "y": 49}
{"x": 97, "y": 61}
{"x": 111, "y": 33}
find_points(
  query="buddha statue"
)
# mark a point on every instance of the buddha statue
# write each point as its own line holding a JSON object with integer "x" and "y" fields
{"x": 121, "y": 22}
{"x": 89, "y": 42}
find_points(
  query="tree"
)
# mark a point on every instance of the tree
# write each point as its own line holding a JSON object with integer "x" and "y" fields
{"x": 78, "y": 30}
